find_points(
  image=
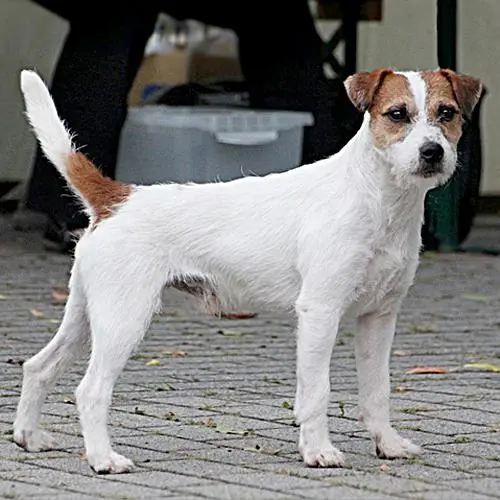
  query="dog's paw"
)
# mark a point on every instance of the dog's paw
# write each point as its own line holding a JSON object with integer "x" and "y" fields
{"x": 326, "y": 456}
{"x": 110, "y": 464}
{"x": 391, "y": 445}
{"x": 36, "y": 440}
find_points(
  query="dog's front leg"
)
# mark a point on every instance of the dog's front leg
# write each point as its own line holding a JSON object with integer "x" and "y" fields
{"x": 317, "y": 330}
{"x": 373, "y": 343}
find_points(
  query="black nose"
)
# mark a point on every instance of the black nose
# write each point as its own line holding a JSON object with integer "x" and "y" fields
{"x": 431, "y": 152}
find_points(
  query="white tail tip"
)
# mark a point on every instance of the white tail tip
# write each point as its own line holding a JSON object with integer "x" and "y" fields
{"x": 30, "y": 79}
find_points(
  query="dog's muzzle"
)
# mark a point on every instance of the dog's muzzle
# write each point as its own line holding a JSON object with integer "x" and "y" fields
{"x": 430, "y": 160}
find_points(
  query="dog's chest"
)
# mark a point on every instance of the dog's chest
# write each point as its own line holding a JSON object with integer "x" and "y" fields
{"x": 388, "y": 275}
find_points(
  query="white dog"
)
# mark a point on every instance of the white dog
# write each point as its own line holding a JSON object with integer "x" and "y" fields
{"x": 339, "y": 236}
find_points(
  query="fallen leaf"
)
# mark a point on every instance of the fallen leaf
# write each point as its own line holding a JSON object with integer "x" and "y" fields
{"x": 3, "y": 297}
{"x": 459, "y": 439}
{"x": 174, "y": 353}
{"x": 36, "y": 313}
{"x": 342, "y": 409}
{"x": 287, "y": 405}
{"x": 211, "y": 423}
{"x": 172, "y": 416}
{"x": 230, "y": 333}
{"x": 165, "y": 387}
{"x": 253, "y": 449}
{"x": 238, "y": 315}
{"x": 68, "y": 401}
{"x": 19, "y": 362}
{"x": 56, "y": 321}
{"x": 224, "y": 429}
{"x": 401, "y": 353}
{"x": 424, "y": 370}
{"x": 385, "y": 468}
{"x": 153, "y": 362}
{"x": 59, "y": 295}
{"x": 400, "y": 388}
{"x": 476, "y": 297}
{"x": 422, "y": 329}
{"x": 488, "y": 367}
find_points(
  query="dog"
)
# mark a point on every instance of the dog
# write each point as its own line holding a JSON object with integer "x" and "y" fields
{"x": 334, "y": 238}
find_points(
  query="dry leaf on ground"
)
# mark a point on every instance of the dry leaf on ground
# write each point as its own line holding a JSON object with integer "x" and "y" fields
{"x": 224, "y": 429}
{"x": 229, "y": 333}
{"x": 401, "y": 353}
{"x": 400, "y": 388}
{"x": 36, "y": 313}
{"x": 174, "y": 353}
{"x": 19, "y": 362}
{"x": 153, "y": 362}
{"x": 423, "y": 329}
{"x": 427, "y": 370}
{"x": 238, "y": 315}
{"x": 477, "y": 297}
{"x": 488, "y": 367}
{"x": 59, "y": 295}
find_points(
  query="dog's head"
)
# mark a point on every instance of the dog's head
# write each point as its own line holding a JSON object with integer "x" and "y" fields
{"x": 416, "y": 118}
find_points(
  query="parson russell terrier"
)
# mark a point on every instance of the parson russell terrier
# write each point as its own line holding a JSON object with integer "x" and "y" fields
{"x": 340, "y": 236}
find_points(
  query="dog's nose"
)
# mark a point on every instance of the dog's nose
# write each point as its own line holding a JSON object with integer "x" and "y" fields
{"x": 431, "y": 152}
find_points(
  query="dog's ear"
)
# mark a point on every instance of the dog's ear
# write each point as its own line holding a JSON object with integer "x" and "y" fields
{"x": 467, "y": 90}
{"x": 362, "y": 87}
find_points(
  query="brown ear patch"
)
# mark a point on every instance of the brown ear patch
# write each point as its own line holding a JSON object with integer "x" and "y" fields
{"x": 467, "y": 90}
{"x": 362, "y": 87}
{"x": 101, "y": 193}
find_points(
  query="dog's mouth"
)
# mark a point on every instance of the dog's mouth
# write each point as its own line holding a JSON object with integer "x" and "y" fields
{"x": 429, "y": 170}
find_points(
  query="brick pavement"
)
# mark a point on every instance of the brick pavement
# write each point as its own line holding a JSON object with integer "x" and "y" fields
{"x": 216, "y": 422}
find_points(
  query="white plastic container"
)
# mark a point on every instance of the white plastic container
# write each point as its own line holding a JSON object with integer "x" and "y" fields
{"x": 200, "y": 144}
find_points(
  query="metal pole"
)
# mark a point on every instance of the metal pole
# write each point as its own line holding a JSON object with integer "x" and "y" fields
{"x": 442, "y": 203}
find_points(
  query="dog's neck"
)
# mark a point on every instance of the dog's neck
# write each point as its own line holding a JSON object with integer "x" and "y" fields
{"x": 373, "y": 174}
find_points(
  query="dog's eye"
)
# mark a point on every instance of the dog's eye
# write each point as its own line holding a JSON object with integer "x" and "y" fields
{"x": 398, "y": 115}
{"x": 447, "y": 113}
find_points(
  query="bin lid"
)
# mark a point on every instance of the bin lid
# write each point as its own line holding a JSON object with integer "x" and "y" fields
{"x": 221, "y": 119}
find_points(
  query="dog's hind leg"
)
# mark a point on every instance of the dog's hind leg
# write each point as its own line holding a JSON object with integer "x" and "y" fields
{"x": 41, "y": 372}
{"x": 317, "y": 331}
{"x": 120, "y": 313}
{"x": 373, "y": 343}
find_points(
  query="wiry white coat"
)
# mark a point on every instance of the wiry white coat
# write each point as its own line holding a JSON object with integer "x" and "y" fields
{"x": 340, "y": 235}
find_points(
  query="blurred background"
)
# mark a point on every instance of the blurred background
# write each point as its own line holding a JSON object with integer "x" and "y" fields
{"x": 190, "y": 64}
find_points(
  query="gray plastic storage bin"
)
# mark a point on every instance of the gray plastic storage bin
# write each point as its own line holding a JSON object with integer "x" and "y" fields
{"x": 199, "y": 144}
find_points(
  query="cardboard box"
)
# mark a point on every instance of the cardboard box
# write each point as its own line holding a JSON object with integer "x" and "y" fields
{"x": 183, "y": 66}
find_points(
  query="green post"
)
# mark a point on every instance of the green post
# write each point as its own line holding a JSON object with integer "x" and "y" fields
{"x": 442, "y": 203}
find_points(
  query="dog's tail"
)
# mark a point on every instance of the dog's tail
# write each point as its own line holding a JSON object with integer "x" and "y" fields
{"x": 98, "y": 193}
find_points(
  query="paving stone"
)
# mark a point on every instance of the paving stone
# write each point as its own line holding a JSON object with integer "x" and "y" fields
{"x": 67, "y": 482}
{"x": 224, "y": 491}
{"x": 19, "y": 489}
{"x": 382, "y": 482}
{"x": 215, "y": 424}
{"x": 451, "y": 494}
{"x": 488, "y": 486}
